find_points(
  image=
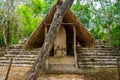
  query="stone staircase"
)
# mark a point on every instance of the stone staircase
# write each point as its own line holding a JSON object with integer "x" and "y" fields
{"x": 19, "y": 56}
{"x": 23, "y": 58}
{"x": 100, "y": 56}
{"x": 2, "y": 51}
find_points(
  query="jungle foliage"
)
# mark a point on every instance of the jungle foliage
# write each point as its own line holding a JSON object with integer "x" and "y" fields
{"x": 19, "y": 18}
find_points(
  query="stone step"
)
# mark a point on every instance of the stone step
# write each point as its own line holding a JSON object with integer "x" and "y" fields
{"x": 65, "y": 71}
{"x": 98, "y": 63}
{"x": 25, "y": 59}
{"x": 105, "y": 51}
{"x": 88, "y": 52}
{"x": 62, "y": 66}
{"x": 61, "y": 60}
{"x": 61, "y": 63}
{"x": 2, "y": 53}
{"x": 103, "y": 46}
{"x": 20, "y": 56}
{"x": 100, "y": 57}
{"x": 17, "y": 58}
{"x": 97, "y": 66}
{"x": 21, "y": 49}
{"x": 23, "y": 52}
{"x": 11, "y": 51}
{"x": 96, "y": 60}
{"x": 3, "y": 58}
{"x": 2, "y": 48}
{"x": 16, "y": 46}
{"x": 98, "y": 48}
{"x": 100, "y": 51}
{"x": 16, "y": 62}
{"x": 16, "y": 65}
{"x": 98, "y": 54}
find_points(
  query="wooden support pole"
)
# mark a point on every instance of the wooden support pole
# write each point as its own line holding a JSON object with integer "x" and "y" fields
{"x": 8, "y": 71}
{"x": 46, "y": 63}
{"x": 118, "y": 68}
{"x": 75, "y": 54}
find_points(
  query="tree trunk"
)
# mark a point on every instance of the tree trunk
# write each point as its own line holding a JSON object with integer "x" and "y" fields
{"x": 6, "y": 24}
{"x": 4, "y": 36}
{"x": 49, "y": 40}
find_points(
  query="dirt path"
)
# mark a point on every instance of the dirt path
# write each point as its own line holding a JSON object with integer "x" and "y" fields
{"x": 18, "y": 73}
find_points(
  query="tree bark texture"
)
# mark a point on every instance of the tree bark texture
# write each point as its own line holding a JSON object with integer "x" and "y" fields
{"x": 49, "y": 40}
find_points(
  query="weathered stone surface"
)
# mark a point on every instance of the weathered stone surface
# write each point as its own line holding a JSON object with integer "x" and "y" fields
{"x": 60, "y": 48}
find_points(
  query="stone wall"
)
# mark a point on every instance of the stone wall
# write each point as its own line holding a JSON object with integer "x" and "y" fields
{"x": 102, "y": 55}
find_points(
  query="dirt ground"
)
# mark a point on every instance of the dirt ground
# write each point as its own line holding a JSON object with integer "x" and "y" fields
{"x": 18, "y": 73}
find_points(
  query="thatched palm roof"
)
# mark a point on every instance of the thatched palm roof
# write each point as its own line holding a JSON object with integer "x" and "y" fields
{"x": 82, "y": 35}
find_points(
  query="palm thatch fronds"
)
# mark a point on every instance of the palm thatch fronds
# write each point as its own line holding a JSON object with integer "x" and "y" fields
{"x": 82, "y": 35}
